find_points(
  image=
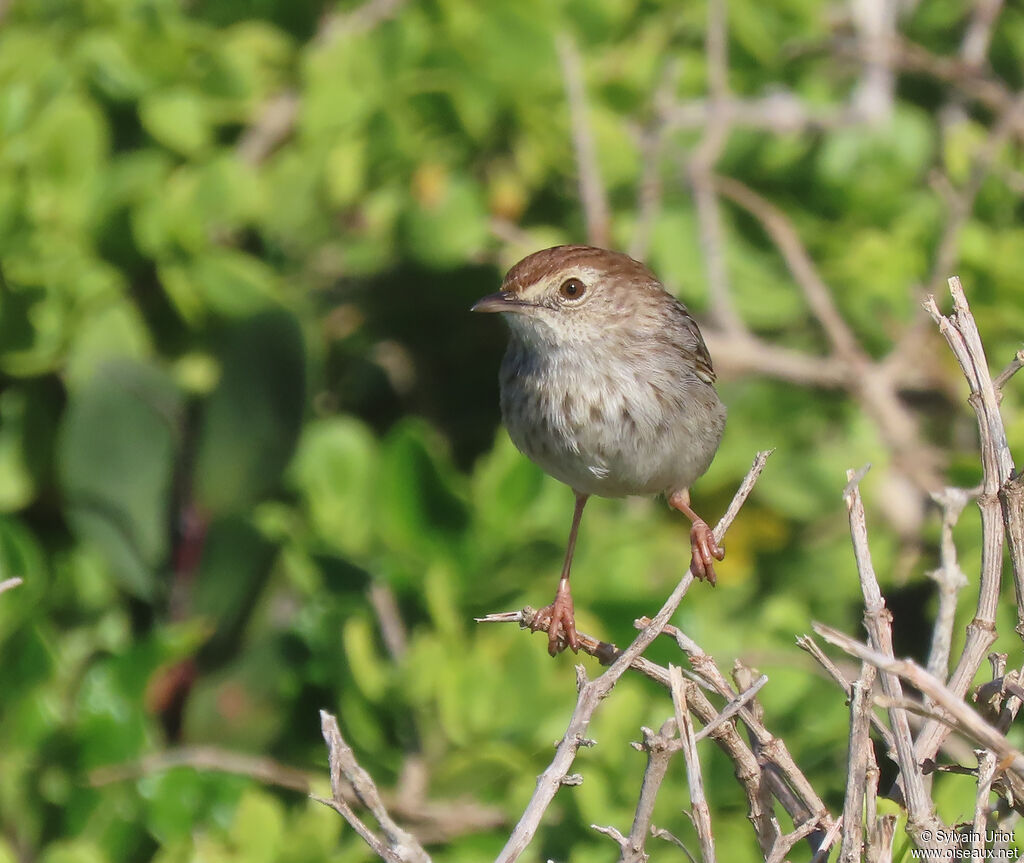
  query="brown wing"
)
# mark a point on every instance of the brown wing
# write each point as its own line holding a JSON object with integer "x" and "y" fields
{"x": 689, "y": 341}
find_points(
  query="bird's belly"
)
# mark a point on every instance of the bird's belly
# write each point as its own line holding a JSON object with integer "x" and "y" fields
{"x": 611, "y": 440}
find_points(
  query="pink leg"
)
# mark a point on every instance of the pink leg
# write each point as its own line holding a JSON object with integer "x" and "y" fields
{"x": 702, "y": 540}
{"x": 560, "y": 615}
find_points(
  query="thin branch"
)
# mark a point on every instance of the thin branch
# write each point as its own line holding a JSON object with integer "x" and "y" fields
{"x": 398, "y": 846}
{"x": 1014, "y": 366}
{"x": 860, "y": 755}
{"x": 876, "y": 25}
{"x": 436, "y": 821}
{"x": 781, "y": 112}
{"x": 873, "y": 384}
{"x": 789, "y": 840}
{"x": 949, "y": 578}
{"x": 960, "y": 203}
{"x": 787, "y": 779}
{"x": 10, "y": 583}
{"x": 592, "y": 692}
{"x": 809, "y": 645}
{"x": 651, "y": 145}
{"x": 733, "y": 707}
{"x": 362, "y": 19}
{"x": 978, "y": 35}
{"x": 786, "y": 239}
{"x": 260, "y": 768}
{"x": 742, "y": 354}
{"x": 660, "y": 748}
{"x": 700, "y": 169}
{"x": 273, "y": 126}
{"x": 967, "y": 720}
{"x": 392, "y": 627}
{"x": 821, "y": 855}
{"x": 881, "y": 842}
{"x": 592, "y": 192}
{"x": 698, "y": 802}
{"x": 961, "y": 333}
{"x": 921, "y": 821}
{"x": 986, "y": 772}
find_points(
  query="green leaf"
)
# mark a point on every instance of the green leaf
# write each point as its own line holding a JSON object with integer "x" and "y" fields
{"x": 251, "y": 422}
{"x": 419, "y": 508}
{"x": 335, "y": 471}
{"x": 116, "y": 451}
{"x": 449, "y": 226}
{"x": 178, "y": 119}
{"x": 259, "y": 831}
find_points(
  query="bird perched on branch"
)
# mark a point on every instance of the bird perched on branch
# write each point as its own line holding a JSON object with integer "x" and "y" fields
{"x": 608, "y": 386}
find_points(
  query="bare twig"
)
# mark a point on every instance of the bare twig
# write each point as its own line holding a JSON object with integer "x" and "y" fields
{"x": 651, "y": 141}
{"x": 786, "y": 842}
{"x": 9, "y": 583}
{"x": 880, "y": 843}
{"x": 398, "y": 846}
{"x": 698, "y": 802}
{"x": 592, "y": 692}
{"x": 960, "y": 203}
{"x": 808, "y": 644}
{"x": 660, "y": 748}
{"x": 592, "y": 191}
{"x": 272, "y": 128}
{"x": 921, "y": 820}
{"x": 1011, "y": 498}
{"x": 986, "y": 772}
{"x": 873, "y": 384}
{"x": 967, "y": 721}
{"x": 260, "y": 768}
{"x": 860, "y": 755}
{"x": 359, "y": 20}
{"x": 978, "y": 35}
{"x": 392, "y": 627}
{"x": 1014, "y": 366}
{"x": 961, "y": 332}
{"x": 786, "y": 780}
{"x": 876, "y": 26}
{"x": 733, "y": 707}
{"x": 700, "y": 167}
{"x": 949, "y": 578}
{"x": 786, "y": 239}
{"x": 821, "y": 855}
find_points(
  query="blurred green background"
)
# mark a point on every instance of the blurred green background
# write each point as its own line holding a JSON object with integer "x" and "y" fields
{"x": 250, "y": 456}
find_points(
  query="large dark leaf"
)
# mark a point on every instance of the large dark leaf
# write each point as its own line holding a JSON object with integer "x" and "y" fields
{"x": 252, "y": 419}
{"x": 115, "y": 461}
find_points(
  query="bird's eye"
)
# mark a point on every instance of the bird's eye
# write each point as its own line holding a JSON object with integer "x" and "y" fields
{"x": 572, "y": 289}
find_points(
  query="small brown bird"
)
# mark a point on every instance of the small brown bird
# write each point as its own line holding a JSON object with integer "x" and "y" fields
{"x": 608, "y": 386}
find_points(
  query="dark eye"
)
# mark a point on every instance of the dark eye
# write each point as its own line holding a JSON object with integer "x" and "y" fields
{"x": 572, "y": 289}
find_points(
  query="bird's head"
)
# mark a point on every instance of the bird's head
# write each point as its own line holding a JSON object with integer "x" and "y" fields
{"x": 570, "y": 293}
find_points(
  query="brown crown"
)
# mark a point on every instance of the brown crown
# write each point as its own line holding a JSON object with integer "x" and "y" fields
{"x": 541, "y": 265}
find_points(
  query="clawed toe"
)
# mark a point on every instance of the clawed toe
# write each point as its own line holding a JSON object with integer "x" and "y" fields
{"x": 705, "y": 551}
{"x": 560, "y": 621}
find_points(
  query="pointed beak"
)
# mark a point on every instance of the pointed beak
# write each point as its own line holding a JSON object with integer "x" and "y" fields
{"x": 503, "y": 301}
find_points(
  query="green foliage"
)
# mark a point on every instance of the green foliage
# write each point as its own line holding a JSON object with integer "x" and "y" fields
{"x": 240, "y": 393}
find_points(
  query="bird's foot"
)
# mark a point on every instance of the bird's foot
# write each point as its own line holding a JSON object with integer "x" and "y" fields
{"x": 559, "y": 619}
{"x": 705, "y": 550}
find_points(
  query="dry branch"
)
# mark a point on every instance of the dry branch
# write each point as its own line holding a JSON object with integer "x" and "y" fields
{"x": 397, "y": 846}
{"x": 967, "y": 720}
{"x": 698, "y": 802}
{"x": 592, "y": 191}
{"x": 961, "y": 333}
{"x": 592, "y": 692}
{"x": 9, "y": 583}
{"x": 860, "y": 757}
{"x": 921, "y": 821}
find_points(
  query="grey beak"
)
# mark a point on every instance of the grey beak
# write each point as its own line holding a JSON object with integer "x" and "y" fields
{"x": 503, "y": 301}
